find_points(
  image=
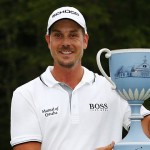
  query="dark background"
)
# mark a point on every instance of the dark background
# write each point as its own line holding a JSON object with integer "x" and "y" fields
{"x": 24, "y": 54}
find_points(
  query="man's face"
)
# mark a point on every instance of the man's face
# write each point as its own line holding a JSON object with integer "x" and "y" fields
{"x": 67, "y": 43}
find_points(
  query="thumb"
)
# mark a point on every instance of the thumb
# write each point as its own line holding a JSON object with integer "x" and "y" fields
{"x": 108, "y": 147}
{"x": 111, "y": 146}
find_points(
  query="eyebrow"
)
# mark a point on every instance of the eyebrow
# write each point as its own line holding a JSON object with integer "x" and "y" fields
{"x": 56, "y": 30}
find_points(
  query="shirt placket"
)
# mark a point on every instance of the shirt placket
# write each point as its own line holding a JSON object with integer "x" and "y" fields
{"x": 74, "y": 108}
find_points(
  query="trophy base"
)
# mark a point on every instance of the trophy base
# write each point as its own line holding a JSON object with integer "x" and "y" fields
{"x": 136, "y": 138}
{"x": 133, "y": 146}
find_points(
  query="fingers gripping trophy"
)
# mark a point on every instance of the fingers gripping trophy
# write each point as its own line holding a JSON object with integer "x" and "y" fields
{"x": 130, "y": 77}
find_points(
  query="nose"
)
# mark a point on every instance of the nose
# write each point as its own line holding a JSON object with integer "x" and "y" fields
{"x": 66, "y": 41}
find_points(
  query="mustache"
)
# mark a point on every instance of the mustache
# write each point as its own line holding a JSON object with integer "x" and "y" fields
{"x": 65, "y": 47}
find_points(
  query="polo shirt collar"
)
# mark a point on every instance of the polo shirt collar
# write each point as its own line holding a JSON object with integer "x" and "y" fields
{"x": 49, "y": 80}
{"x": 88, "y": 76}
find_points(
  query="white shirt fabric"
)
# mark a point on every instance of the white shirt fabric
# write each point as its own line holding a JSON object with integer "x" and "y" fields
{"x": 144, "y": 111}
{"x": 91, "y": 117}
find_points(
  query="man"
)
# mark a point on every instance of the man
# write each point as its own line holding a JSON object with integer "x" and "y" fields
{"x": 68, "y": 107}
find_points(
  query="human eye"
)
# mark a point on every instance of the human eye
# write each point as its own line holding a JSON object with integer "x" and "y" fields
{"x": 73, "y": 35}
{"x": 57, "y": 35}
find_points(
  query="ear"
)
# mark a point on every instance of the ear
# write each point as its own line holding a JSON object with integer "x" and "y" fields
{"x": 47, "y": 38}
{"x": 85, "y": 40}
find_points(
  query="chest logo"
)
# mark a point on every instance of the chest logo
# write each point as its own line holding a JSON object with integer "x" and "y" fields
{"x": 98, "y": 107}
{"x": 50, "y": 111}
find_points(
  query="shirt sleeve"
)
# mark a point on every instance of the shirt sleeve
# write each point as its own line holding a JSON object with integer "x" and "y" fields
{"x": 24, "y": 122}
{"x": 144, "y": 111}
{"x": 127, "y": 114}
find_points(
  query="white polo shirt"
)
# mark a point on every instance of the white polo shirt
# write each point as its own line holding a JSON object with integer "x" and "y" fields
{"x": 92, "y": 116}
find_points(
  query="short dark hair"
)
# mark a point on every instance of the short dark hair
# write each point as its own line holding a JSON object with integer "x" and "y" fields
{"x": 50, "y": 29}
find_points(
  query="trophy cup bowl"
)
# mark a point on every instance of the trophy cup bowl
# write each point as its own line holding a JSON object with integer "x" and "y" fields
{"x": 130, "y": 77}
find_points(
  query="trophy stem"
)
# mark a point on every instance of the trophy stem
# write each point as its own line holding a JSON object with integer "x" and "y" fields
{"x": 135, "y": 139}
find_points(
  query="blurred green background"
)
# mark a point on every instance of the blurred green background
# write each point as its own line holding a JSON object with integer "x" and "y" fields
{"x": 24, "y": 54}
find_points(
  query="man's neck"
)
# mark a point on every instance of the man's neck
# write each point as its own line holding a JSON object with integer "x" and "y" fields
{"x": 69, "y": 76}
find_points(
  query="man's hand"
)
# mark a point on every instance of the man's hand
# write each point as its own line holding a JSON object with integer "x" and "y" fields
{"x": 108, "y": 147}
{"x": 28, "y": 146}
{"x": 146, "y": 125}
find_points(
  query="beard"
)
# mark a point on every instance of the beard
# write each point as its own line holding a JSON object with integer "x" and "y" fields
{"x": 67, "y": 65}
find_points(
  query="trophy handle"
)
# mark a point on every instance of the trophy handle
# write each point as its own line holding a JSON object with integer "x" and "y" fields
{"x": 107, "y": 55}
